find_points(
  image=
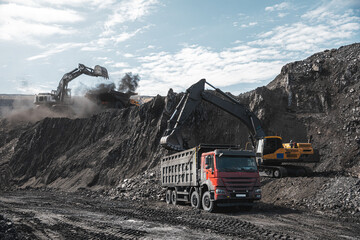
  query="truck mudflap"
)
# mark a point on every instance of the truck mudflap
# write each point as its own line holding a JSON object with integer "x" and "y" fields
{"x": 212, "y": 196}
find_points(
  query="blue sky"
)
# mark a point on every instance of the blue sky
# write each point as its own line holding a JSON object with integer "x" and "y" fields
{"x": 236, "y": 45}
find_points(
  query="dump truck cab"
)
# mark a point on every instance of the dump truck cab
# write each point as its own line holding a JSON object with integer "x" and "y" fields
{"x": 210, "y": 176}
{"x": 231, "y": 177}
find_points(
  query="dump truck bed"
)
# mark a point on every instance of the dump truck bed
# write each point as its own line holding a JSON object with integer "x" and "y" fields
{"x": 180, "y": 169}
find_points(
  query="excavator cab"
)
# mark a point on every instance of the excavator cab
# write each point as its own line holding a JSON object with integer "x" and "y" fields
{"x": 44, "y": 99}
{"x": 271, "y": 144}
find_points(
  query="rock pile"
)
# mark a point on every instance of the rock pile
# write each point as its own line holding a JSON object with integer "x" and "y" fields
{"x": 144, "y": 186}
{"x": 339, "y": 194}
{"x": 8, "y": 230}
{"x": 336, "y": 195}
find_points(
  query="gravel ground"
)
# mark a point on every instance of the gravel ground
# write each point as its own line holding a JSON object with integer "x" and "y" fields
{"x": 45, "y": 214}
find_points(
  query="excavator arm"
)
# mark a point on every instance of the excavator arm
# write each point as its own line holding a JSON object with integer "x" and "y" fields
{"x": 172, "y": 138}
{"x": 61, "y": 91}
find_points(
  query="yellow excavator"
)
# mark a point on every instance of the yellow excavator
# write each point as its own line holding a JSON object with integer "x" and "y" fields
{"x": 290, "y": 151}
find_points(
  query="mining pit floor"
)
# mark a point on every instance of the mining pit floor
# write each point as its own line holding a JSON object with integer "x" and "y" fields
{"x": 50, "y": 214}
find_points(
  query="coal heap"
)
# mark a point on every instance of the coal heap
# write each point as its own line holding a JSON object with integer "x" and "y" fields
{"x": 106, "y": 96}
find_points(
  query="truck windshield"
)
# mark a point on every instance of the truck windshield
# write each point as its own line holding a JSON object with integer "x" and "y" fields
{"x": 235, "y": 164}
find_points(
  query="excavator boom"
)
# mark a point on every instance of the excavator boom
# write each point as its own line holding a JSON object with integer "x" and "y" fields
{"x": 61, "y": 91}
{"x": 172, "y": 139}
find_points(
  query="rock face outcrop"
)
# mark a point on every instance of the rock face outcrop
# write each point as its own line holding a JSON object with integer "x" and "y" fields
{"x": 315, "y": 98}
{"x": 89, "y": 152}
{"x": 323, "y": 93}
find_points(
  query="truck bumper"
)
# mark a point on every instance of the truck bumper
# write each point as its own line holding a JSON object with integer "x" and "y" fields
{"x": 242, "y": 197}
{"x": 234, "y": 202}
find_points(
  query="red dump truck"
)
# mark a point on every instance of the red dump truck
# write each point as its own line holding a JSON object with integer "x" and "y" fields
{"x": 210, "y": 176}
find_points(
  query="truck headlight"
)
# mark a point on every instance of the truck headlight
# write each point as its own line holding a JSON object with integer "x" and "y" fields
{"x": 257, "y": 190}
{"x": 220, "y": 191}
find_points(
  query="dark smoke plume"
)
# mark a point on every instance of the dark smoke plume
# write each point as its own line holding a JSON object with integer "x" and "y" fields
{"x": 129, "y": 83}
{"x": 102, "y": 88}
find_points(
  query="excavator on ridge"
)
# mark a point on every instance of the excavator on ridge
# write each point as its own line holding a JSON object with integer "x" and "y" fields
{"x": 62, "y": 95}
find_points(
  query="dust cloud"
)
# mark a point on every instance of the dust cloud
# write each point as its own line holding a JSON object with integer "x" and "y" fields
{"x": 24, "y": 110}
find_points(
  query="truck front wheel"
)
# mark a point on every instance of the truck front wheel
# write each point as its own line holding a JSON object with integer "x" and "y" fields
{"x": 174, "y": 198}
{"x": 168, "y": 196}
{"x": 207, "y": 204}
{"x": 195, "y": 200}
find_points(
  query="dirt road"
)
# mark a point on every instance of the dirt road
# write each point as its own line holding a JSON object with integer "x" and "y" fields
{"x": 57, "y": 215}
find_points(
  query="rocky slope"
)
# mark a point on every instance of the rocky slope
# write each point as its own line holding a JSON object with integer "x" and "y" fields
{"x": 89, "y": 152}
{"x": 317, "y": 97}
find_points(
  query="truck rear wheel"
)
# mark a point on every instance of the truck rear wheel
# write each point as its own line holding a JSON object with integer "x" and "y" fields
{"x": 168, "y": 196}
{"x": 195, "y": 200}
{"x": 207, "y": 204}
{"x": 174, "y": 198}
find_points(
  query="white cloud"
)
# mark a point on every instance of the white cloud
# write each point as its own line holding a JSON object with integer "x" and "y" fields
{"x": 319, "y": 27}
{"x": 27, "y": 32}
{"x": 120, "y": 65}
{"x": 26, "y": 24}
{"x": 67, "y": 3}
{"x": 277, "y": 7}
{"x": 38, "y": 14}
{"x": 90, "y": 48}
{"x": 128, "y": 55}
{"x": 240, "y": 64}
{"x": 281, "y": 15}
{"x": 325, "y": 8}
{"x": 248, "y": 25}
{"x": 102, "y": 58}
{"x": 122, "y": 37}
{"x": 304, "y": 37}
{"x": 128, "y": 11}
{"x": 55, "y": 48}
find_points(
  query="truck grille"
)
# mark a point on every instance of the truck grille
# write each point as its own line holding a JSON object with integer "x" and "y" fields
{"x": 239, "y": 183}
{"x": 242, "y": 182}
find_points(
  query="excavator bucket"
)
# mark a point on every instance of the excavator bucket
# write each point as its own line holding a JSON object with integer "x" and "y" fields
{"x": 173, "y": 141}
{"x": 100, "y": 71}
